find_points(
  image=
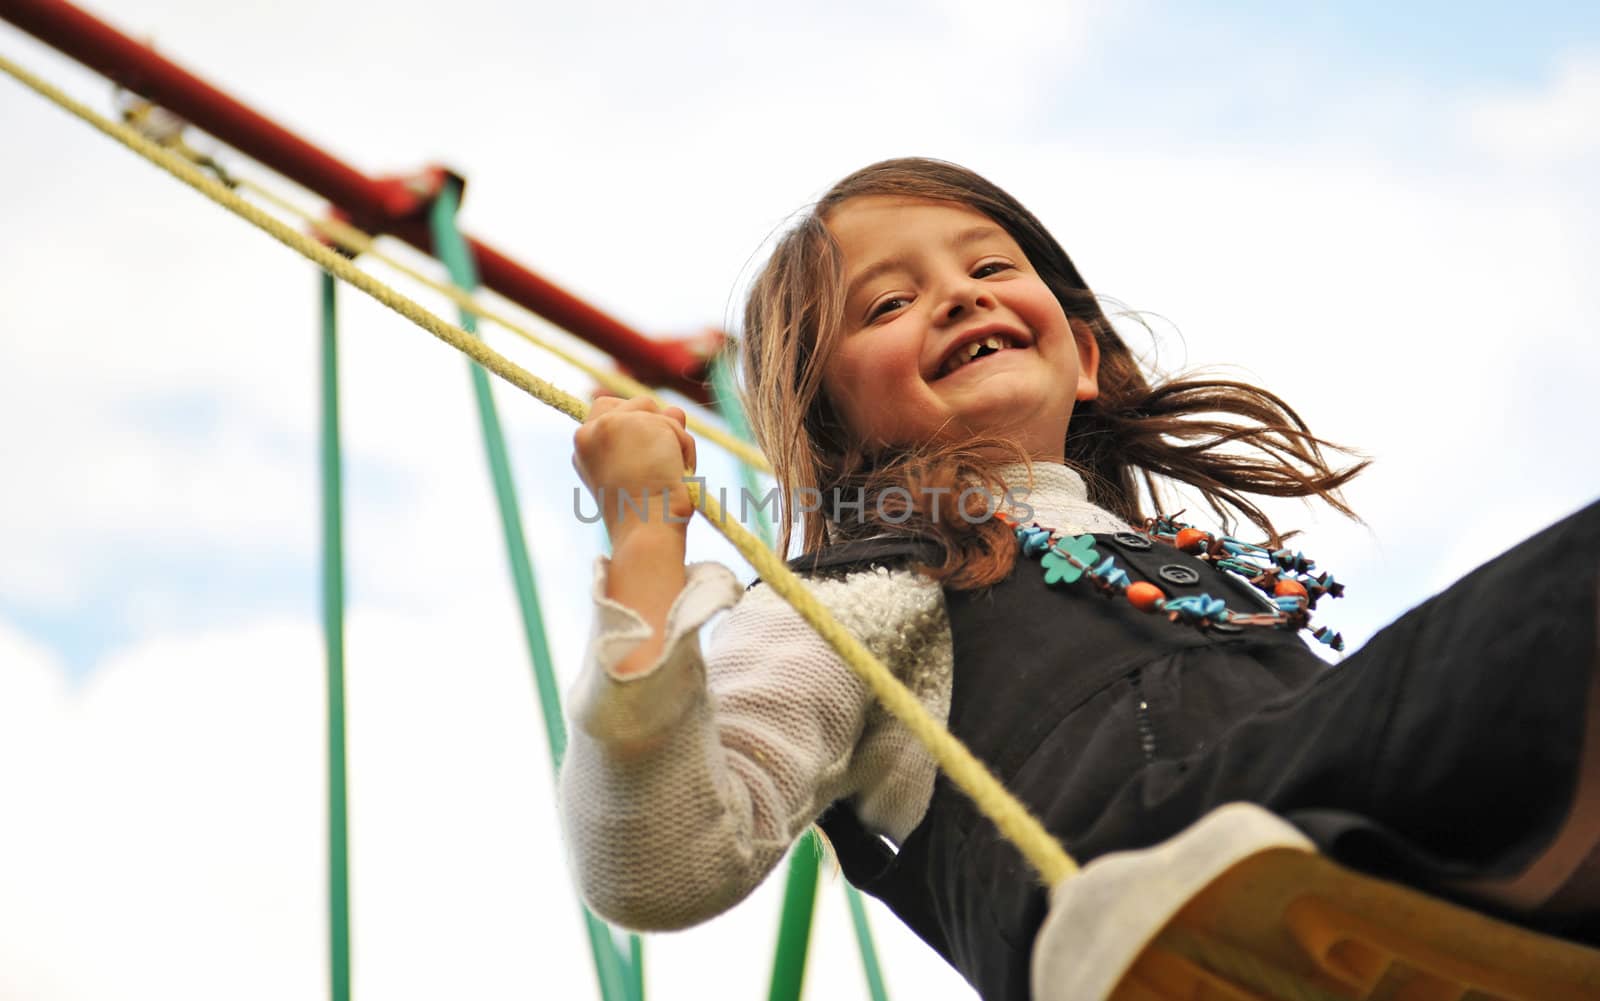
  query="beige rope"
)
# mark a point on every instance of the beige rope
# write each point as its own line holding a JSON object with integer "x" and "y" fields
{"x": 355, "y": 241}
{"x": 352, "y": 239}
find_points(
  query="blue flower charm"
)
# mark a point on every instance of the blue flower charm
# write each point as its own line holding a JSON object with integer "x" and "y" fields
{"x": 1059, "y": 569}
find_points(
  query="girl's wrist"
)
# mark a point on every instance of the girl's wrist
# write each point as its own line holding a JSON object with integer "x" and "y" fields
{"x": 646, "y": 575}
{"x": 652, "y": 534}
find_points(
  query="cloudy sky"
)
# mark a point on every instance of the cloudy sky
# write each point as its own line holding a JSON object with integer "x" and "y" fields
{"x": 1389, "y": 217}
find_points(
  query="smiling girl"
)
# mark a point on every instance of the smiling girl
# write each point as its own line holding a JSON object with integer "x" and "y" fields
{"x": 917, "y": 349}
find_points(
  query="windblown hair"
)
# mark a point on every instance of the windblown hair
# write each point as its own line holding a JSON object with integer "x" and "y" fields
{"x": 1227, "y": 439}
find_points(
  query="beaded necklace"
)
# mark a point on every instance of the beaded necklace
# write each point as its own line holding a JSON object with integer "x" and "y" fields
{"x": 1285, "y": 577}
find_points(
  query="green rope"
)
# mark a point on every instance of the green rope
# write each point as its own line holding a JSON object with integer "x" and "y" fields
{"x": 800, "y": 888}
{"x": 620, "y": 980}
{"x": 333, "y": 632}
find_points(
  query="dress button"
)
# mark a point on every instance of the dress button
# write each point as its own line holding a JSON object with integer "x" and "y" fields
{"x": 1132, "y": 541}
{"x": 1176, "y": 573}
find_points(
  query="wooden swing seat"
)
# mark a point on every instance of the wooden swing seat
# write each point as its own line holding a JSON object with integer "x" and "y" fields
{"x": 1240, "y": 907}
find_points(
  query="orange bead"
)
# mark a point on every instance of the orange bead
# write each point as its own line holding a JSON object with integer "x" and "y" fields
{"x": 1145, "y": 597}
{"x": 1285, "y": 588}
{"x": 1191, "y": 540}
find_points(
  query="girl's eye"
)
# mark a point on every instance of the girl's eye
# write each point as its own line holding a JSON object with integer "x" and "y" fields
{"x": 988, "y": 268}
{"x": 887, "y": 306}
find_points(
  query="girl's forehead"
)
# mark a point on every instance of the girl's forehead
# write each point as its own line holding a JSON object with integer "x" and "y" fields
{"x": 870, "y": 230}
{"x": 866, "y": 216}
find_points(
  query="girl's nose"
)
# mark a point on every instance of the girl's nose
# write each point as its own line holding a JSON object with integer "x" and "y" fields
{"x": 965, "y": 298}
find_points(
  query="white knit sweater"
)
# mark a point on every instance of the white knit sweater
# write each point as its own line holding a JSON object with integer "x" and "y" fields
{"x": 684, "y": 785}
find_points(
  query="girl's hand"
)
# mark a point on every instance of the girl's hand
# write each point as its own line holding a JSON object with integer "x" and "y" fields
{"x": 631, "y": 453}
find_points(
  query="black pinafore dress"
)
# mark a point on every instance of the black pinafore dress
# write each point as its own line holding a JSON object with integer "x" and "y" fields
{"x": 1444, "y": 753}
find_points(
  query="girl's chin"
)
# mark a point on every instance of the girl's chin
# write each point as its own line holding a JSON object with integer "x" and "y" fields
{"x": 1013, "y": 402}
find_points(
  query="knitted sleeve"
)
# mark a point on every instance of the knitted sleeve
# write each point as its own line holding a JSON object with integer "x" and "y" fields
{"x": 684, "y": 785}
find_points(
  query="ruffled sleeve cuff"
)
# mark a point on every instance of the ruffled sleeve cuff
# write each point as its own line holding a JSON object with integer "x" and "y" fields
{"x": 623, "y": 711}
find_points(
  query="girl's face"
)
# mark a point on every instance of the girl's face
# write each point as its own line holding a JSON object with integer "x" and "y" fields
{"x": 927, "y": 284}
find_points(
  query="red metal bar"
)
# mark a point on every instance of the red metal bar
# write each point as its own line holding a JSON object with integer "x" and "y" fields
{"x": 395, "y": 205}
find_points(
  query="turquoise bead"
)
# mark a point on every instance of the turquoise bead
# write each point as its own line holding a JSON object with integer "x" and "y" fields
{"x": 1112, "y": 574}
{"x": 1034, "y": 540}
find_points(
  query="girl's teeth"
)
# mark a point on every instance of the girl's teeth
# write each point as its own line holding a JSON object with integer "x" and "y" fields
{"x": 971, "y": 351}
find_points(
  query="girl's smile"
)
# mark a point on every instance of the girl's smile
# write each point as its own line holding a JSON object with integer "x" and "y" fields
{"x": 979, "y": 345}
{"x": 949, "y": 332}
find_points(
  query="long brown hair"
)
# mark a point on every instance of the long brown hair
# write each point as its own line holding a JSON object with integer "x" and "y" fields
{"x": 1227, "y": 439}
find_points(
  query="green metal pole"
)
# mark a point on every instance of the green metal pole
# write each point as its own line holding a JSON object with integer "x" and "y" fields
{"x": 333, "y": 632}
{"x": 869, "y": 955}
{"x": 800, "y": 888}
{"x": 794, "y": 922}
{"x": 620, "y": 980}
{"x": 636, "y": 967}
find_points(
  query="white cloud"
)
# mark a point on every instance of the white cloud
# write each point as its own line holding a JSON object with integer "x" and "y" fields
{"x": 157, "y": 795}
{"x": 1558, "y": 124}
{"x": 167, "y": 827}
